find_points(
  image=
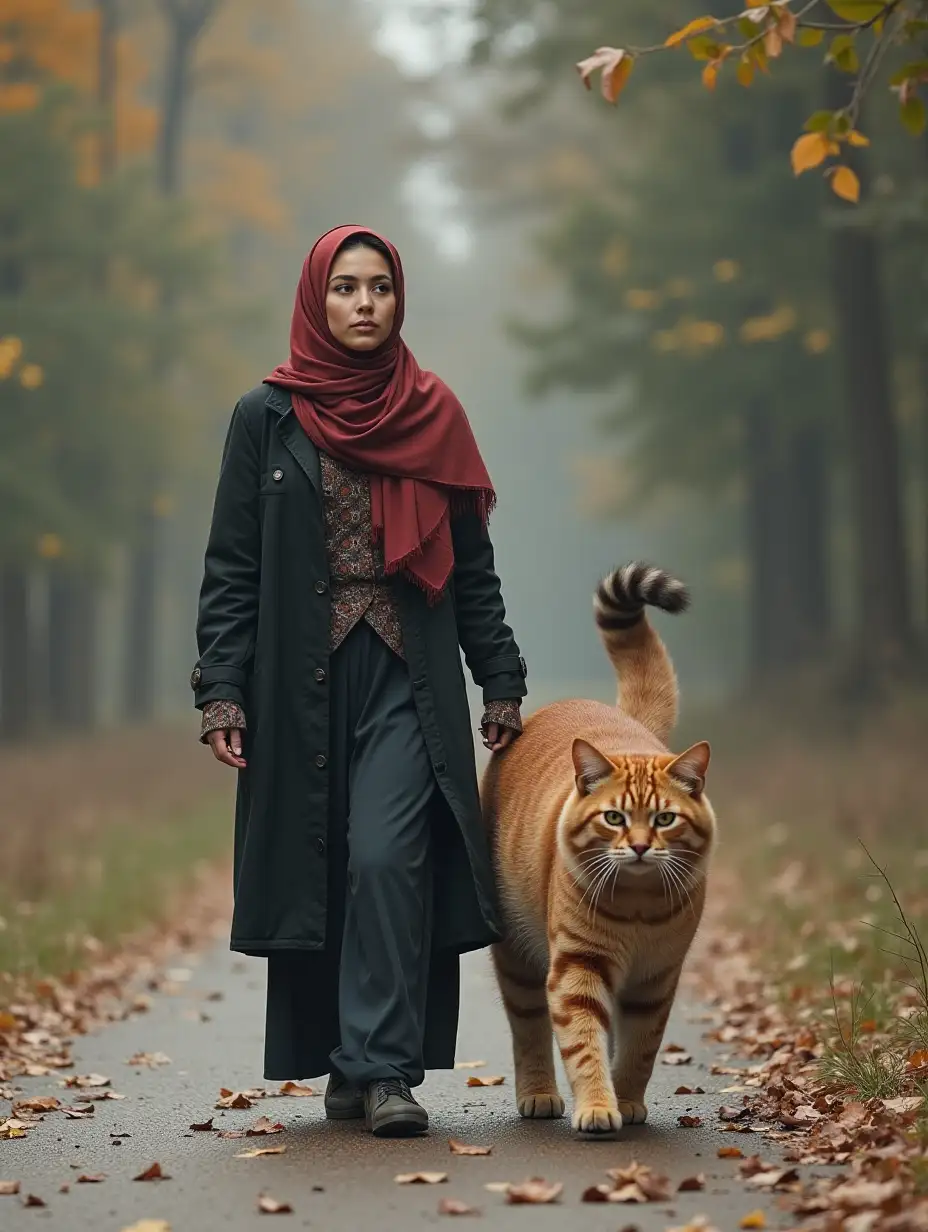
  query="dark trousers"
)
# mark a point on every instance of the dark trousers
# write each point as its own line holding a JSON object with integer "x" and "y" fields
{"x": 381, "y": 793}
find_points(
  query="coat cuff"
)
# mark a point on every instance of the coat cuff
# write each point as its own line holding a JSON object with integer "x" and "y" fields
{"x": 504, "y": 712}
{"x": 221, "y": 715}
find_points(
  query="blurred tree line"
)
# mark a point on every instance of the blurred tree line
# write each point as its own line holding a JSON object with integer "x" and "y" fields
{"x": 762, "y": 347}
{"x": 162, "y": 163}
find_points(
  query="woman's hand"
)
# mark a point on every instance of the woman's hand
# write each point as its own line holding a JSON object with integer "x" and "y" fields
{"x": 227, "y": 747}
{"x": 498, "y": 737}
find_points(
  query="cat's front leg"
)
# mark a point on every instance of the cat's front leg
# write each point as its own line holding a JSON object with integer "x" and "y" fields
{"x": 580, "y": 998}
{"x": 523, "y": 991}
{"x": 641, "y": 1015}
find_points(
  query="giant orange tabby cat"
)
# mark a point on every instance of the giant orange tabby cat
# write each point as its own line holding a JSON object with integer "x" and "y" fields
{"x": 602, "y": 840}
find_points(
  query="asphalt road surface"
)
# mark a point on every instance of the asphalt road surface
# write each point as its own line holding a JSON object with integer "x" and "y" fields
{"x": 335, "y": 1175}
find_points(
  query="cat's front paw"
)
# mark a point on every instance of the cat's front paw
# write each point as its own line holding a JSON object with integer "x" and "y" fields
{"x": 632, "y": 1112}
{"x": 596, "y": 1121}
{"x": 543, "y": 1105}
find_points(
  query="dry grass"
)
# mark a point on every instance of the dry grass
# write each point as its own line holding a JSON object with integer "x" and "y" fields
{"x": 98, "y": 834}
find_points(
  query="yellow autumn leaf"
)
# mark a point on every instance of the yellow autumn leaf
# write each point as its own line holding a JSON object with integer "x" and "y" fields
{"x": 710, "y": 74}
{"x": 31, "y": 376}
{"x": 696, "y": 26}
{"x": 856, "y": 138}
{"x": 845, "y": 184}
{"x": 756, "y": 1219}
{"x": 745, "y": 72}
{"x": 811, "y": 150}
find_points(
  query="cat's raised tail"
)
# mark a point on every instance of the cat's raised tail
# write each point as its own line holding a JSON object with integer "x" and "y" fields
{"x": 647, "y": 682}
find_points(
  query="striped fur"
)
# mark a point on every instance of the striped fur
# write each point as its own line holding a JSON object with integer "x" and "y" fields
{"x": 601, "y": 901}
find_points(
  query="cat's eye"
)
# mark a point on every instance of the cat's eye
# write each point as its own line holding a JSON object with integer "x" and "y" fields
{"x": 614, "y": 817}
{"x": 664, "y": 819}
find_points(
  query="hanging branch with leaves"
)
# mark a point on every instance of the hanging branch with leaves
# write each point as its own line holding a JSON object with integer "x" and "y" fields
{"x": 860, "y": 36}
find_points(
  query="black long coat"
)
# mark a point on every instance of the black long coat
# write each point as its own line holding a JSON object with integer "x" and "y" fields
{"x": 263, "y": 638}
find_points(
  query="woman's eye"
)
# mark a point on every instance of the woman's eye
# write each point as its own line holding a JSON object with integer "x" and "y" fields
{"x": 614, "y": 817}
{"x": 665, "y": 819}
{"x": 384, "y": 288}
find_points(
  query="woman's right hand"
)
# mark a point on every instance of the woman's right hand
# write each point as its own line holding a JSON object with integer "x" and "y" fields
{"x": 227, "y": 747}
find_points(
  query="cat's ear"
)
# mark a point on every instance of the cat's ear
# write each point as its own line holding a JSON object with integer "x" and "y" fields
{"x": 590, "y": 767}
{"x": 689, "y": 769}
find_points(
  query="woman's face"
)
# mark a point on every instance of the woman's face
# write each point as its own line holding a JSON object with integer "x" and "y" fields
{"x": 360, "y": 300}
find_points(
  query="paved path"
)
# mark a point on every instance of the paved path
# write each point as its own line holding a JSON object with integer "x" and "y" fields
{"x": 335, "y": 1175}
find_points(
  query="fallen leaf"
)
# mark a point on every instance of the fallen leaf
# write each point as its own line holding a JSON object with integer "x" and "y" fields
{"x": 203, "y": 1126}
{"x": 231, "y": 1133}
{"x": 689, "y": 1122}
{"x": 86, "y": 1080}
{"x": 91, "y": 1178}
{"x": 699, "y": 1223}
{"x": 476, "y": 1081}
{"x": 7, "y": 1021}
{"x": 907, "y": 1103}
{"x": 674, "y": 1048}
{"x": 461, "y": 1148}
{"x": 676, "y": 1058}
{"x": 8, "y": 1188}
{"x": 498, "y": 1186}
{"x": 90, "y": 1097}
{"x": 149, "y": 1059}
{"x": 628, "y": 1193}
{"x": 152, "y": 1173}
{"x": 264, "y": 1125}
{"x": 597, "y": 1193}
{"x": 13, "y": 1128}
{"x": 865, "y": 1195}
{"x": 654, "y": 1186}
{"x": 756, "y": 1219}
{"x": 32, "y": 1200}
{"x": 234, "y": 1099}
{"x": 470, "y": 1064}
{"x": 270, "y": 1206}
{"x": 535, "y": 1192}
{"x": 733, "y": 1114}
{"x": 689, "y": 1091}
{"x": 40, "y": 1103}
{"x": 150, "y": 1225}
{"x": 918, "y": 1058}
{"x": 773, "y": 1178}
{"x": 730, "y": 1152}
{"x": 421, "y": 1178}
{"x": 77, "y": 1114}
{"x": 692, "y": 1184}
{"x": 452, "y": 1206}
{"x": 294, "y": 1088}
{"x": 261, "y": 1150}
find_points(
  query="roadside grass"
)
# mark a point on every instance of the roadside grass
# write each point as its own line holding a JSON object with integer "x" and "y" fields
{"x": 824, "y": 835}
{"x": 100, "y": 837}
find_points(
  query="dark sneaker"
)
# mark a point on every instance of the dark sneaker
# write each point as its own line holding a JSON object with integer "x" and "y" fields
{"x": 391, "y": 1111}
{"x": 343, "y": 1102}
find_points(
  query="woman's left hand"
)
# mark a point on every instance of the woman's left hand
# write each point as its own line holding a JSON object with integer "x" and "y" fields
{"x": 498, "y": 737}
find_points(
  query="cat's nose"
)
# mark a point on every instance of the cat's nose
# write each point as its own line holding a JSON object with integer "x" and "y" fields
{"x": 640, "y": 849}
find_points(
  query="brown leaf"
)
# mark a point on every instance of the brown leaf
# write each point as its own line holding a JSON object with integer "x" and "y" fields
{"x": 264, "y": 1125}
{"x": 257, "y": 1151}
{"x": 733, "y": 1114}
{"x": 91, "y": 1178}
{"x": 654, "y": 1186}
{"x": 8, "y": 1188}
{"x": 535, "y": 1192}
{"x": 689, "y": 1122}
{"x": 32, "y": 1200}
{"x": 676, "y": 1058}
{"x": 150, "y": 1225}
{"x": 152, "y": 1173}
{"x": 469, "y": 1064}
{"x": 865, "y": 1195}
{"x": 7, "y": 1022}
{"x": 628, "y": 1193}
{"x": 270, "y": 1206}
{"x": 689, "y": 1091}
{"x": 421, "y": 1178}
{"x": 39, "y": 1103}
{"x": 616, "y": 65}
{"x": 234, "y": 1099}
{"x": 90, "y": 1097}
{"x": 78, "y": 1114}
{"x": 294, "y": 1089}
{"x": 203, "y": 1126}
{"x": 597, "y": 1193}
{"x": 149, "y": 1059}
{"x": 773, "y": 1178}
{"x": 452, "y": 1206}
{"x": 461, "y": 1148}
{"x": 756, "y": 1219}
{"x": 476, "y": 1081}
{"x": 692, "y": 1184}
{"x": 730, "y": 1152}
{"x": 86, "y": 1080}
{"x": 13, "y": 1128}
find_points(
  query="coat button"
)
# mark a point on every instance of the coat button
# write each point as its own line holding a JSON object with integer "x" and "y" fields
{"x": 440, "y": 767}
{"x": 277, "y": 475}
{"x": 195, "y": 677}
{"x": 321, "y": 760}
{"x": 319, "y": 673}
{"x": 321, "y": 587}
{"x": 320, "y": 845}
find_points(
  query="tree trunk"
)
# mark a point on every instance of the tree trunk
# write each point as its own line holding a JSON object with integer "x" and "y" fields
{"x": 883, "y": 597}
{"x": 805, "y": 510}
{"x": 72, "y": 649}
{"x": 765, "y": 531}
{"x": 15, "y": 693}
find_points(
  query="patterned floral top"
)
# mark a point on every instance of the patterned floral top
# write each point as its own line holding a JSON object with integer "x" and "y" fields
{"x": 359, "y": 588}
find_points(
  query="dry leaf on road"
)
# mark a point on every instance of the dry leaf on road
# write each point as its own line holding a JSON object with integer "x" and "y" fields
{"x": 469, "y": 1064}
{"x": 476, "y": 1081}
{"x": 233, "y": 1099}
{"x": 689, "y": 1091}
{"x": 461, "y": 1148}
{"x": 14, "y": 1128}
{"x": 730, "y": 1152}
{"x": 756, "y": 1219}
{"x": 152, "y": 1173}
{"x": 86, "y": 1080}
{"x": 653, "y": 1185}
{"x": 692, "y": 1184}
{"x": 8, "y": 1188}
{"x": 78, "y": 1114}
{"x": 676, "y": 1058}
{"x": 421, "y": 1178}
{"x": 689, "y": 1122}
{"x": 264, "y": 1125}
{"x": 294, "y": 1088}
{"x": 32, "y": 1200}
{"x": 149, "y": 1059}
{"x": 39, "y": 1103}
{"x": 270, "y": 1206}
{"x": 91, "y": 1178}
{"x": 261, "y": 1150}
{"x": 535, "y": 1192}
{"x": 150, "y": 1225}
{"x": 451, "y": 1206}
{"x": 203, "y": 1126}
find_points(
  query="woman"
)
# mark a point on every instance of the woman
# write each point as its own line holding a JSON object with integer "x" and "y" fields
{"x": 347, "y": 565}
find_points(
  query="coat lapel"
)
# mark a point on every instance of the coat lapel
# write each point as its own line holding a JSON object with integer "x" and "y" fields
{"x": 293, "y": 436}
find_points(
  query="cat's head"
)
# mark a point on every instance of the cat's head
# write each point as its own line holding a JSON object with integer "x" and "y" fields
{"x": 637, "y": 815}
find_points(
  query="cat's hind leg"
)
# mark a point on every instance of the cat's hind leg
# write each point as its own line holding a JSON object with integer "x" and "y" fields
{"x": 526, "y": 1005}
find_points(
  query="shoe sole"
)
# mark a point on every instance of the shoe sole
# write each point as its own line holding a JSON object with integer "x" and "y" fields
{"x": 344, "y": 1114}
{"x": 399, "y": 1125}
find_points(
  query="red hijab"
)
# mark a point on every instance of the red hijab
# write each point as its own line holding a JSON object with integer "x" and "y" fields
{"x": 380, "y": 413}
